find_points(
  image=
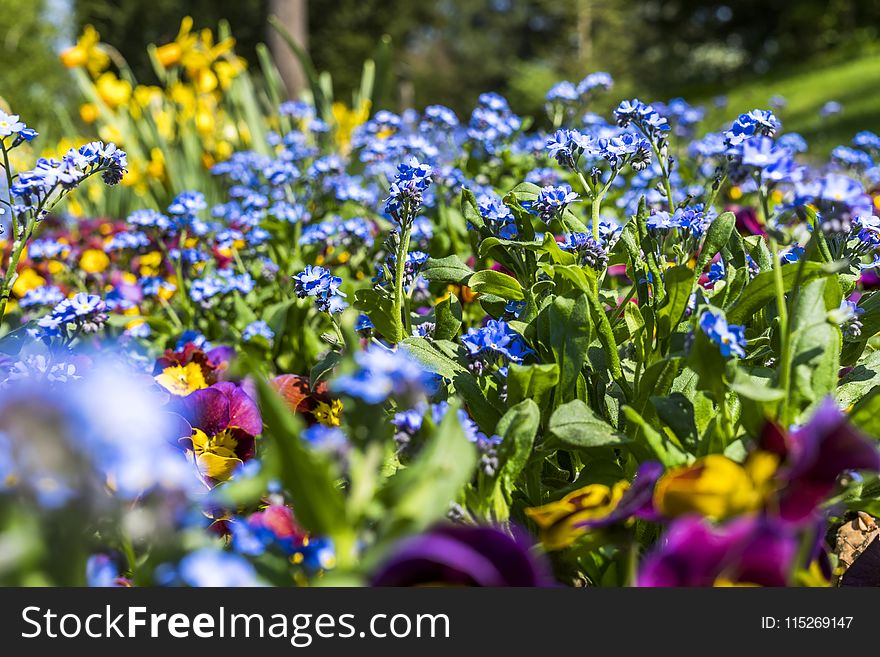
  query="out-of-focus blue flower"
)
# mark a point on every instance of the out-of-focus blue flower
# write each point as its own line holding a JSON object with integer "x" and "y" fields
{"x": 830, "y": 108}
{"x": 730, "y": 338}
{"x": 383, "y": 373}
{"x": 257, "y": 329}
{"x": 103, "y": 571}
{"x": 45, "y": 295}
{"x": 210, "y": 567}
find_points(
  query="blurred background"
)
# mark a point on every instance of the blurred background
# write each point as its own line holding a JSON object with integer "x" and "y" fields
{"x": 807, "y": 52}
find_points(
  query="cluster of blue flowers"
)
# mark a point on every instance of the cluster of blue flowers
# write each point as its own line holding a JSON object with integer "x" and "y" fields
{"x": 83, "y": 312}
{"x": 405, "y": 195}
{"x": 644, "y": 117}
{"x": 319, "y": 284}
{"x": 33, "y": 189}
{"x": 409, "y": 422}
{"x": 206, "y": 289}
{"x": 590, "y": 253}
{"x": 492, "y": 122}
{"x": 730, "y": 338}
{"x": 383, "y": 373}
{"x": 496, "y": 343}
{"x": 551, "y": 202}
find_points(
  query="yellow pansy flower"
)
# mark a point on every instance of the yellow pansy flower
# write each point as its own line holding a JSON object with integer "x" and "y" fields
{"x": 558, "y": 520}
{"x": 328, "y": 414}
{"x": 182, "y": 380}
{"x": 715, "y": 487}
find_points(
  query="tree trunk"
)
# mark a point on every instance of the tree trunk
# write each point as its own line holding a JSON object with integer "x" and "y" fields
{"x": 293, "y": 14}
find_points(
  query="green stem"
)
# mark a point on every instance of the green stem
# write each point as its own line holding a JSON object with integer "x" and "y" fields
{"x": 403, "y": 323}
{"x": 781, "y": 308}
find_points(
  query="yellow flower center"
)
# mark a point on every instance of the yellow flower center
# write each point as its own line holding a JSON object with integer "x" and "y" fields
{"x": 182, "y": 380}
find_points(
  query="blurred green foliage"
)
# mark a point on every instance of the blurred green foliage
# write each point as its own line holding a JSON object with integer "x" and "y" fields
{"x": 31, "y": 80}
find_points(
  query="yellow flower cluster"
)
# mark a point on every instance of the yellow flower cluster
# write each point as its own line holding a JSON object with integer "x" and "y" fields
{"x": 196, "y": 72}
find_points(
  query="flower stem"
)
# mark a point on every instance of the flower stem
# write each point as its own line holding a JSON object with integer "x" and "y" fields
{"x": 399, "y": 271}
{"x": 781, "y": 308}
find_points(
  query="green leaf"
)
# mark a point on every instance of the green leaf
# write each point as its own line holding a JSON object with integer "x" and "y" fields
{"x": 419, "y": 495}
{"x": 761, "y": 290}
{"x": 815, "y": 346}
{"x": 866, "y": 413}
{"x": 324, "y": 367}
{"x": 860, "y": 380}
{"x": 470, "y": 210}
{"x": 447, "y": 318}
{"x": 717, "y": 235}
{"x": 450, "y": 269}
{"x": 679, "y": 281}
{"x": 380, "y": 310}
{"x": 605, "y": 335}
{"x": 305, "y": 474}
{"x": 564, "y": 327}
{"x": 574, "y": 425}
{"x": 498, "y": 284}
{"x": 531, "y": 382}
{"x": 665, "y": 451}
{"x": 518, "y": 428}
{"x": 481, "y": 410}
{"x": 677, "y": 412}
{"x": 870, "y": 319}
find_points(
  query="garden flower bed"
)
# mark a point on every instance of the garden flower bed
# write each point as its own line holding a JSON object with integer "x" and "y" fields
{"x": 303, "y": 343}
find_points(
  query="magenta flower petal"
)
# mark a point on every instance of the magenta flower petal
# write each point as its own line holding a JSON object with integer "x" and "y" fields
{"x": 244, "y": 413}
{"x": 819, "y": 452}
{"x": 208, "y": 410}
{"x": 750, "y": 550}
{"x": 461, "y": 556}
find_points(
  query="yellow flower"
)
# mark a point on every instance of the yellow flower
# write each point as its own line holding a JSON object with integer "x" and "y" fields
{"x": 27, "y": 280}
{"x": 88, "y": 112}
{"x": 94, "y": 261}
{"x": 108, "y": 133}
{"x": 215, "y": 456}
{"x": 181, "y": 380}
{"x": 346, "y": 120}
{"x": 156, "y": 165}
{"x": 558, "y": 520}
{"x": 87, "y": 52}
{"x": 715, "y": 487}
{"x": 735, "y": 193}
{"x": 113, "y": 91}
{"x": 55, "y": 267}
{"x": 328, "y": 414}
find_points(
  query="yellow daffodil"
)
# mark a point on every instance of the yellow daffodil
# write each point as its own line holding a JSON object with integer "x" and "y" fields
{"x": 182, "y": 380}
{"x": 89, "y": 113}
{"x": 87, "y": 52}
{"x": 346, "y": 120}
{"x": 113, "y": 91}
